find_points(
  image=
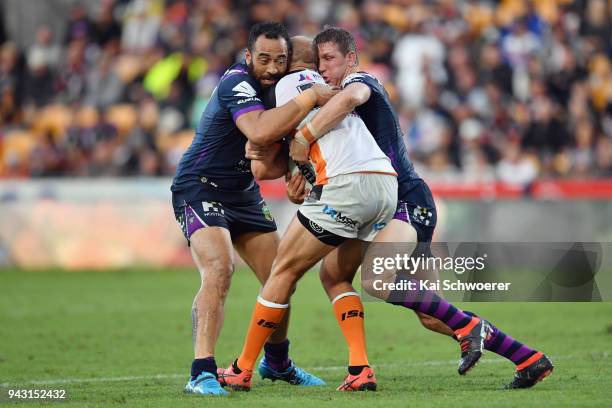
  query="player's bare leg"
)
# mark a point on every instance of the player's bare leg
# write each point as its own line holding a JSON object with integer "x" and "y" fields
{"x": 258, "y": 251}
{"x": 299, "y": 250}
{"x": 212, "y": 252}
{"x": 339, "y": 268}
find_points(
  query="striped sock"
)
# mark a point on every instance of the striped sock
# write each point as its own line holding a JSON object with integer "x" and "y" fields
{"x": 506, "y": 346}
{"x": 500, "y": 343}
{"x": 428, "y": 302}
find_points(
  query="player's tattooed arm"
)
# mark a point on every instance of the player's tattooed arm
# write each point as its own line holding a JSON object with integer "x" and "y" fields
{"x": 265, "y": 127}
{"x": 269, "y": 162}
{"x": 328, "y": 117}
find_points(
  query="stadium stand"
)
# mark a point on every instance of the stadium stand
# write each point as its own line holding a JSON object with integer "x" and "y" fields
{"x": 511, "y": 91}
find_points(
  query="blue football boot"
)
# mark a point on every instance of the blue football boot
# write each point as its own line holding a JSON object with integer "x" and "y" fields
{"x": 293, "y": 375}
{"x": 205, "y": 384}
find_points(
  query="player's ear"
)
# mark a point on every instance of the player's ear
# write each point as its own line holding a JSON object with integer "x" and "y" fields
{"x": 247, "y": 56}
{"x": 352, "y": 57}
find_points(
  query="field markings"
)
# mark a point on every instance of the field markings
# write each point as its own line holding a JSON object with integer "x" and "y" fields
{"x": 184, "y": 375}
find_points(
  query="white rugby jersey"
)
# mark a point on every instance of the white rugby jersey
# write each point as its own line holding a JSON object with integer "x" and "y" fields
{"x": 348, "y": 148}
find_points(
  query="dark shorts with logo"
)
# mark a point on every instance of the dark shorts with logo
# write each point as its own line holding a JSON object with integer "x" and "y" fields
{"x": 417, "y": 207}
{"x": 238, "y": 218}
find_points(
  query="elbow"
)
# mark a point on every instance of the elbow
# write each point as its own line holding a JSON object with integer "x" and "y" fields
{"x": 262, "y": 135}
{"x": 355, "y": 97}
{"x": 350, "y": 102}
{"x": 255, "y": 137}
{"x": 261, "y": 138}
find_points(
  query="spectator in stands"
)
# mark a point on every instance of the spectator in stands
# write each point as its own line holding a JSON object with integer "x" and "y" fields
{"x": 39, "y": 89}
{"x": 71, "y": 78}
{"x": 140, "y": 27}
{"x": 104, "y": 87}
{"x": 79, "y": 24}
{"x": 45, "y": 49}
{"x": 11, "y": 84}
{"x": 105, "y": 28}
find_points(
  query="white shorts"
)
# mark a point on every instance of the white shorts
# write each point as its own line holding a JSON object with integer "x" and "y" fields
{"x": 356, "y": 205}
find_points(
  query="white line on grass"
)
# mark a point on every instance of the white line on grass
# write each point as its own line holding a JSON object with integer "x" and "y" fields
{"x": 320, "y": 368}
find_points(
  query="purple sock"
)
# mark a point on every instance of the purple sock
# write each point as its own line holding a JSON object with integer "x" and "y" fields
{"x": 504, "y": 345}
{"x": 428, "y": 302}
{"x": 277, "y": 355}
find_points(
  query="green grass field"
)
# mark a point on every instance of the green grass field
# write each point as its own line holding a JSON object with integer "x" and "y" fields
{"x": 124, "y": 339}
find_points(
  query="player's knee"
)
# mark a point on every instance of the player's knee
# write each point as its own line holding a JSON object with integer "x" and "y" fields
{"x": 368, "y": 287}
{"x": 217, "y": 272}
{"x": 377, "y": 286}
{"x": 285, "y": 269}
{"x": 219, "y": 265}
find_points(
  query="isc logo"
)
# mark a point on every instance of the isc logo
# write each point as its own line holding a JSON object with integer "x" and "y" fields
{"x": 267, "y": 324}
{"x": 351, "y": 313}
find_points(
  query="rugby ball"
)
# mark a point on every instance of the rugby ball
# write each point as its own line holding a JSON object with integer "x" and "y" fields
{"x": 307, "y": 171}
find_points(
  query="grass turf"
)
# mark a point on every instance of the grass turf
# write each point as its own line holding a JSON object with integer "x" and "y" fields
{"x": 124, "y": 339}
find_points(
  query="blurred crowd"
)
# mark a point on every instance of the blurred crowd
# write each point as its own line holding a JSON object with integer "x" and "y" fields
{"x": 509, "y": 90}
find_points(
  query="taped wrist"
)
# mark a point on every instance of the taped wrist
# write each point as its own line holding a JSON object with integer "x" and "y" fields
{"x": 306, "y": 100}
{"x": 307, "y": 134}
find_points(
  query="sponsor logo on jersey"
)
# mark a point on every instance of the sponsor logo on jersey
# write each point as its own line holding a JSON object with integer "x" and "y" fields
{"x": 267, "y": 324}
{"x": 379, "y": 225}
{"x": 338, "y": 217}
{"x": 305, "y": 77}
{"x": 351, "y": 313}
{"x": 254, "y": 98}
{"x": 213, "y": 208}
{"x": 422, "y": 215}
{"x": 316, "y": 227}
{"x": 266, "y": 212}
{"x": 243, "y": 166}
{"x": 244, "y": 89}
{"x": 205, "y": 180}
